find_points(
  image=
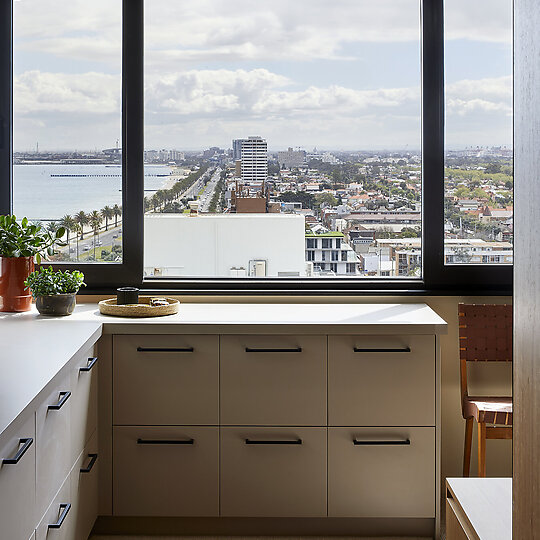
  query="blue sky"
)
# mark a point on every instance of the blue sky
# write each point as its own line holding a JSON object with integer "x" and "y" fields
{"x": 340, "y": 74}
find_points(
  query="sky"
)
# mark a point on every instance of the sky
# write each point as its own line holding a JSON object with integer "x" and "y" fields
{"x": 339, "y": 74}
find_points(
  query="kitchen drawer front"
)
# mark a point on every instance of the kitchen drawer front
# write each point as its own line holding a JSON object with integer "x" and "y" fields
{"x": 84, "y": 384}
{"x": 59, "y": 515}
{"x": 84, "y": 490}
{"x": 273, "y": 480}
{"x": 166, "y": 380}
{"x": 154, "y": 477}
{"x": 53, "y": 443}
{"x": 17, "y": 483}
{"x": 388, "y": 381}
{"x": 273, "y": 380}
{"x": 380, "y": 476}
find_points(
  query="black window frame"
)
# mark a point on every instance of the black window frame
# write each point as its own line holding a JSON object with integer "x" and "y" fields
{"x": 437, "y": 278}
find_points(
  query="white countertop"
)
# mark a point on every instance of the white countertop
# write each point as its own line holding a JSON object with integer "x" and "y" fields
{"x": 34, "y": 348}
{"x": 227, "y": 318}
{"x": 487, "y": 503}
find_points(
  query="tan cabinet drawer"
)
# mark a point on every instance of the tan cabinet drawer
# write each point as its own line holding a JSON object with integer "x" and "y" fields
{"x": 273, "y": 380}
{"x": 381, "y": 380}
{"x": 17, "y": 482}
{"x": 57, "y": 522}
{"x": 53, "y": 443}
{"x": 273, "y": 472}
{"x": 165, "y": 380}
{"x": 372, "y": 473}
{"x": 84, "y": 385}
{"x": 84, "y": 490}
{"x": 166, "y": 471}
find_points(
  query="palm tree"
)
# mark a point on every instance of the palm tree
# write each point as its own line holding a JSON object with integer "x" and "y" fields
{"x": 52, "y": 226}
{"x": 69, "y": 224}
{"x": 107, "y": 213}
{"x": 76, "y": 229}
{"x": 117, "y": 210}
{"x": 81, "y": 218}
{"x": 95, "y": 222}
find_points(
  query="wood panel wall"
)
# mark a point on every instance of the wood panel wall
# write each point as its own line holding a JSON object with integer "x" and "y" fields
{"x": 526, "y": 485}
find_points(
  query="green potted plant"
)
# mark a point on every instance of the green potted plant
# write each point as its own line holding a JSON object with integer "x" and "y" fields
{"x": 20, "y": 243}
{"x": 55, "y": 292}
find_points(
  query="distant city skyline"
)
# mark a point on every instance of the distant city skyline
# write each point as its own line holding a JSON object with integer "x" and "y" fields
{"x": 291, "y": 71}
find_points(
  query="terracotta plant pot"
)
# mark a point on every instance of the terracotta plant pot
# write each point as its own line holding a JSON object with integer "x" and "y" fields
{"x": 56, "y": 304}
{"x": 13, "y": 272}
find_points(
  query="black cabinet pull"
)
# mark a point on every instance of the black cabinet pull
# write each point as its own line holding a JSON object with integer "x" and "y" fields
{"x": 165, "y": 441}
{"x": 296, "y": 349}
{"x": 65, "y": 507}
{"x": 26, "y": 444}
{"x": 405, "y": 349}
{"x": 254, "y": 441}
{"x": 90, "y": 466}
{"x": 64, "y": 396}
{"x": 356, "y": 442}
{"x": 90, "y": 365}
{"x": 165, "y": 349}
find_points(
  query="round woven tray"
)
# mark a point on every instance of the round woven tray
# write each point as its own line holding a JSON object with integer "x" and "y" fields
{"x": 142, "y": 309}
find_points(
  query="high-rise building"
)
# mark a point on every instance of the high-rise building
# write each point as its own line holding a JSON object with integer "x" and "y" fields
{"x": 237, "y": 148}
{"x": 254, "y": 160}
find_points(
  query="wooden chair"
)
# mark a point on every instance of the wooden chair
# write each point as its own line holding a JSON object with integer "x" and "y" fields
{"x": 485, "y": 335}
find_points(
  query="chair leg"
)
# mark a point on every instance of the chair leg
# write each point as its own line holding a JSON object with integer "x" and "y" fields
{"x": 481, "y": 449}
{"x": 468, "y": 446}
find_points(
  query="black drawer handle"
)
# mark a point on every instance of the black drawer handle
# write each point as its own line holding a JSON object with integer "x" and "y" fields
{"x": 356, "y": 442}
{"x": 26, "y": 444}
{"x": 90, "y": 365}
{"x": 64, "y": 396}
{"x": 165, "y": 441}
{"x": 405, "y": 349}
{"x": 295, "y": 349}
{"x": 65, "y": 507}
{"x": 90, "y": 466}
{"x": 254, "y": 441}
{"x": 165, "y": 349}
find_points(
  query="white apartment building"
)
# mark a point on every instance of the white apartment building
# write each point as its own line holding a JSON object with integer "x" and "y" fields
{"x": 292, "y": 158}
{"x": 224, "y": 245}
{"x": 254, "y": 160}
{"x": 330, "y": 254}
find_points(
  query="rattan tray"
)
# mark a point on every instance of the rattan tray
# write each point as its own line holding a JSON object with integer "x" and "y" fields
{"x": 142, "y": 309}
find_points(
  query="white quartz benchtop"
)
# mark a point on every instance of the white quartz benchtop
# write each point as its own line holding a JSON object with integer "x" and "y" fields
{"x": 240, "y": 318}
{"x": 32, "y": 353}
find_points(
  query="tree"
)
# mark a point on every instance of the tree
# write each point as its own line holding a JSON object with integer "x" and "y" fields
{"x": 117, "y": 210}
{"x": 107, "y": 213}
{"x": 81, "y": 218}
{"x": 95, "y": 222}
{"x": 326, "y": 198}
{"x": 69, "y": 224}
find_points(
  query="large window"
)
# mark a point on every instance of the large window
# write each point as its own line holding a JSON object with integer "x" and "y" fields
{"x": 278, "y": 122}
{"x": 67, "y": 168}
{"x": 295, "y": 146}
{"x": 479, "y": 157}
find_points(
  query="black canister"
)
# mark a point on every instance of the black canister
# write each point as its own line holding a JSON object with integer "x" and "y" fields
{"x": 127, "y": 295}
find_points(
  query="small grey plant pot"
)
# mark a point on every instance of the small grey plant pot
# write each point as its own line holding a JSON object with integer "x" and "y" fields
{"x": 56, "y": 304}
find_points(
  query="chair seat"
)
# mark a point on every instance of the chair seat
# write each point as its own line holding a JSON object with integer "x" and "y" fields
{"x": 491, "y": 410}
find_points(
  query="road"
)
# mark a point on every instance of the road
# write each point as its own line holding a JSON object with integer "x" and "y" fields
{"x": 206, "y": 197}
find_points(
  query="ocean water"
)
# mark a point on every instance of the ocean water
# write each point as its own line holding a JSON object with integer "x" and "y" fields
{"x": 40, "y": 195}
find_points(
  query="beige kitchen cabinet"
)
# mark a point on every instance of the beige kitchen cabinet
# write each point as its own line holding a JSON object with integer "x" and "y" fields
{"x": 84, "y": 479}
{"x": 166, "y": 471}
{"x": 57, "y": 522}
{"x": 275, "y": 380}
{"x": 381, "y": 472}
{"x": 17, "y": 481}
{"x": 273, "y": 472}
{"x": 53, "y": 442}
{"x": 84, "y": 386}
{"x": 381, "y": 380}
{"x": 166, "y": 380}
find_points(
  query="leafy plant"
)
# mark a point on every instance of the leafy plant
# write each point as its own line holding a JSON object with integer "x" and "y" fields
{"x": 46, "y": 281}
{"x": 27, "y": 239}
